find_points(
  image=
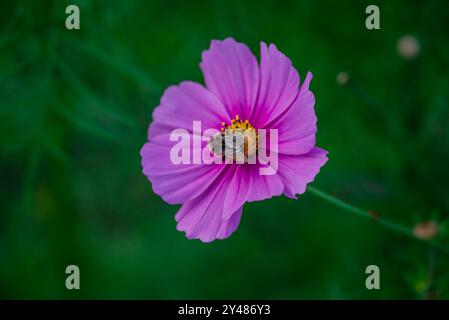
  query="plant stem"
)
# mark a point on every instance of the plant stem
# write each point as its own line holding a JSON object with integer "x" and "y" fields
{"x": 374, "y": 217}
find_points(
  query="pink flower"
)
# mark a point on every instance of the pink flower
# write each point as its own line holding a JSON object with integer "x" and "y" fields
{"x": 265, "y": 96}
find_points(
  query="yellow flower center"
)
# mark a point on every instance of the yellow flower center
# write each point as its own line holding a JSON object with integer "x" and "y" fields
{"x": 237, "y": 123}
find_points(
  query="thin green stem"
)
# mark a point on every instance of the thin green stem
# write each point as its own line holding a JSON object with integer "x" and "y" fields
{"x": 400, "y": 229}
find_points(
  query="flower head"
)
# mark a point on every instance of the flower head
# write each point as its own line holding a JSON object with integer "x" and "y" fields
{"x": 408, "y": 47}
{"x": 242, "y": 100}
{"x": 426, "y": 230}
{"x": 342, "y": 78}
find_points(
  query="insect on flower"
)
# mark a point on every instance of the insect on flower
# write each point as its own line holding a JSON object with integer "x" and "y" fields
{"x": 242, "y": 100}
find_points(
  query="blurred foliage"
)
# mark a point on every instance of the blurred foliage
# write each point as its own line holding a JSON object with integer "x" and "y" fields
{"x": 75, "y": 106}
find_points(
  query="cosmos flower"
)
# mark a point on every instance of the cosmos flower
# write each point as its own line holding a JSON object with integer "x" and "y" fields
{"x": 240, "y": 96}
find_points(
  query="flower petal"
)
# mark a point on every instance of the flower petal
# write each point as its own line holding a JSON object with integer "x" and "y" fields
{"x": 231, "y": 72}
{"x": 229, "y": 226}
{"x": 239, "y": 186}
{"x": 202, "y": 218}
{"x": 183, "y": 104}
{"x": 175, "y": 183}
{"x": 297, "y": 171}
{"x": 246, "y": 184}
{"x": 279, "y": 83}
{"x": 180, "y": 107}
{"x": 297, "y": 127}
{"x": 264, "y": 186}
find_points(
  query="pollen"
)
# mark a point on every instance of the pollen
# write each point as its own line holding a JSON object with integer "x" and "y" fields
{"x": 237, "y": 123}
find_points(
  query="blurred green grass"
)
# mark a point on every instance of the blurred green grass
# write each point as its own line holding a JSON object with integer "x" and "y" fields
{"x": 75, "y": 106}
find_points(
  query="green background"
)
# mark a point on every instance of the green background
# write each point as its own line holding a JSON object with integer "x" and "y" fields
{"x": 75, "y": 106}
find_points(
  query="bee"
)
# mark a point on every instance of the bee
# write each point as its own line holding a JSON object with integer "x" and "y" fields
{"x": 237, "y": 144}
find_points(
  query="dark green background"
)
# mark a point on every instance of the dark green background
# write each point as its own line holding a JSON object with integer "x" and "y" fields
{"x": 75, "y": 106}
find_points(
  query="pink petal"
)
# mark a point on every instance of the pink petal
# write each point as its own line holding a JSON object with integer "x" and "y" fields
{"x": 180, "y": 106}
{"x": 183, "y": 104}
{"x": 202, "y": 218}
{"x": 246, "y": 184}
{"x": 297, "y": 127}
{"x": 279, "y": 82}
{"x": 175, "y": 183}
{"x": 229, "y": 226}
{"x": 231, "y": 72}
{"x": 238, "y": 189}
{"x": 264, "y": 186}
{"x": 297, "y": 171}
